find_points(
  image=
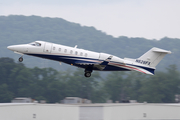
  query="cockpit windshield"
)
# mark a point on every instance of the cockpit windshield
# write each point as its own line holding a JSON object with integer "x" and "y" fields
{"x": 35, "y": 44}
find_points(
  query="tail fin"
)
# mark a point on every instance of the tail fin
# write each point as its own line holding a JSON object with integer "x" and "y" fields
{"x": 152, "y": 57}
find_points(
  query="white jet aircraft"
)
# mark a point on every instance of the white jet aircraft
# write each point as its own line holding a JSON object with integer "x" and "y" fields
{"x": 90, "y": 60}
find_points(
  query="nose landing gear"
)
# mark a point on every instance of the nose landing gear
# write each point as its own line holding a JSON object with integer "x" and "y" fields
{"x": 21, "y": 59}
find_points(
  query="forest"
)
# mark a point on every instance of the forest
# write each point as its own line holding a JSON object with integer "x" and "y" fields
{"x": 17, "y": 80}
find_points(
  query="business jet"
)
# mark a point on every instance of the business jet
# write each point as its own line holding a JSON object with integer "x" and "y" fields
{"x": 90, "y": 60}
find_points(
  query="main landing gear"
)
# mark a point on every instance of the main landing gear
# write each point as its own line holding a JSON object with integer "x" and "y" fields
{"x": 21, "y": 59}
{"x": 87, "y": 73}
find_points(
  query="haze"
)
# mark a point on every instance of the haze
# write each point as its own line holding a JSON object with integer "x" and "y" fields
{"x": 151, "y": 19}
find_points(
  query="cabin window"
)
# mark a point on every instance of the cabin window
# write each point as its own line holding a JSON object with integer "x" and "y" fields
{"x": 71, "y": 52}
{"x": 65, "y": 50}
{"x": 54, "y": 48}
{"x": 76, "y": 53}
{"x": 86, "y": 54}
{"x": 81, "y": 54}
{"x": 59, "y": 49}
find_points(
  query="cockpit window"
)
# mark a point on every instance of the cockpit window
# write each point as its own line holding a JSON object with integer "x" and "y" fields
{"x": 35, "y": 44}
{"x": 32, "y": 44}
{"x": 38, "y": 44}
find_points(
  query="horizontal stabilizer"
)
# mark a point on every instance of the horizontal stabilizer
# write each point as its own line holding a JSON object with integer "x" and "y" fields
{"x": 161, "y": 51}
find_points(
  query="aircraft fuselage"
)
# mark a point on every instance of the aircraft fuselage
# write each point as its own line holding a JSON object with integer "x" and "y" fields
{"x": 88, "y": 60}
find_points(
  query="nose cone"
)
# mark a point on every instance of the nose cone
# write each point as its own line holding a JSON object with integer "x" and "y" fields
{"x": 11, "y": 47}
{"x": 18, "y": 48}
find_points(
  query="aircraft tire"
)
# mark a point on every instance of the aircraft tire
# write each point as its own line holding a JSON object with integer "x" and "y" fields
{"x": 87, "y": 74}
{"x": 20, "y": 59}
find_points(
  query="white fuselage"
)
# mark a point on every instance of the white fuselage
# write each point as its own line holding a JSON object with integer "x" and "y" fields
{"x": 79, "y": 57}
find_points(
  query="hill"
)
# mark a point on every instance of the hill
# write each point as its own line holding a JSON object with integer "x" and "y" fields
{"x": 25, "y": 29}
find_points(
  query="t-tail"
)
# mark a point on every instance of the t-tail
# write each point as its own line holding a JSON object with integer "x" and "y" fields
{"x": 151, "y": 59}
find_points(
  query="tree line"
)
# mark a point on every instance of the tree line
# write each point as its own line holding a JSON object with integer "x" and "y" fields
{"x": 16, "y": 80}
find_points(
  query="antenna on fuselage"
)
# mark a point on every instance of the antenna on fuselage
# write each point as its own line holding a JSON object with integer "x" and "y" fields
{"x": 75, "y": 46}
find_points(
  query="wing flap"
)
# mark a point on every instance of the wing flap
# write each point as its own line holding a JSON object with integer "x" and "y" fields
{"x": 99, "y": 65}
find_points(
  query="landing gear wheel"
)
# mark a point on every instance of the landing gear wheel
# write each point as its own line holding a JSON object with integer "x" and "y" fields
{"x": 20, "y": 59}
{"x": 87, "y": 74}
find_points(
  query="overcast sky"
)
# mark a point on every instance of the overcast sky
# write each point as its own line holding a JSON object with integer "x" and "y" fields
{"x": 152, "y": 19}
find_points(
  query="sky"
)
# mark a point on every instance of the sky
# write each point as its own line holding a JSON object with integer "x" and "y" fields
{"x": 151, "y": 19}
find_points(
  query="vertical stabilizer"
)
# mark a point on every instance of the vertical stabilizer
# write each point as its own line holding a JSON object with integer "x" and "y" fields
{"x": 152, "y": 57}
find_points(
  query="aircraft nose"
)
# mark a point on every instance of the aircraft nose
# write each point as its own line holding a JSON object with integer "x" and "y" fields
{"x": 10, "y": 47}
{"x": 18, "y": 48}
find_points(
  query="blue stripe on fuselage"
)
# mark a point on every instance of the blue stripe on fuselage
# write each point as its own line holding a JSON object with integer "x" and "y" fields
{"x": 151, "y": 70}
{"x": 73, "y": 60}
{"x": 61, "y": 58}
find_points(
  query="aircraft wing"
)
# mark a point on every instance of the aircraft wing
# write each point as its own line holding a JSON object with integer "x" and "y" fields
{"x": 99, "y": 65}
{"x": 105, "y": 62}
{"x": 86, "y": 63}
